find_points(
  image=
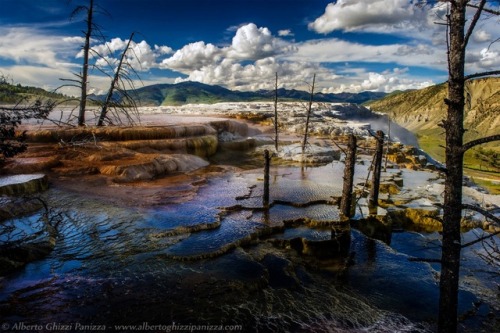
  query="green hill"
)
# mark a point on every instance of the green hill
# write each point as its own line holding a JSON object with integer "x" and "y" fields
{"x": 199, "y": 93}
{"x": 420, "y": 111}
{"x": 11, "y": 94}
{"x": 186, "y": 93}
{"x": 183, "y": 93}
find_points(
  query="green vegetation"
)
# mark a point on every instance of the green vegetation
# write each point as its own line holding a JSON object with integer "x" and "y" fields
{"x": 12, "y": 142}
{"x": 487, "y": 180}
{"x": 183, "y": 93}
{"x": 483, "y": 159}
{"x": 196, "y": 92}
{"x": 421, "y": 111}
{"x": 432, "y": 142}
{"x": 12, "y": 94}
{"x": 191, "y": 92}
{"x": 481, "y": 164}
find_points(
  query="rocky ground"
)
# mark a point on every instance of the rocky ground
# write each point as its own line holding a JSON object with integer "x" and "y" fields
{"x": 171, "y": 155}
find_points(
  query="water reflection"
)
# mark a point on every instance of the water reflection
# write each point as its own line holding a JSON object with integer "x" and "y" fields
{"x": 221, "y": 258}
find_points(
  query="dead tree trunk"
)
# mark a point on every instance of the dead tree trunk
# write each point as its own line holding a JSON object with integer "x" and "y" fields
{"x": 453, "y": 125}
{"x": 304, "y": 142}
{"x": 276, "y": 114}
{"x": 377, "y": 168}
{"x": 114, "y": 83}
{"x": 267, "y": 162}
{"x": 388, "y": 141}
{"x": 350, "y": 163}
{"x": 457, "y": 40}
{"x": 85, "y": 69}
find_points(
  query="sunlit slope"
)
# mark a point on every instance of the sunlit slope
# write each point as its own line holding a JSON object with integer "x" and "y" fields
{"x": 422, "y": 110}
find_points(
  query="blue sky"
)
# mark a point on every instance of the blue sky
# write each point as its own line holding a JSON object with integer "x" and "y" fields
{"x": 351, "y": 45}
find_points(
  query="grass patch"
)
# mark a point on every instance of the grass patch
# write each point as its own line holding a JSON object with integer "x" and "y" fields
{"x": 432, "y": 142}
{"x": 483, "y": 158}
{"x": 487, "y": 180}
{"x": 484, "y": 175}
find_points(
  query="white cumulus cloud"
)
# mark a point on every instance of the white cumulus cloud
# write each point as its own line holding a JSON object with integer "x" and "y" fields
{"x": 34, "y": 47}
{"x": 141, "y": 56}
{"x": 481, "y": 36}
{"x": 489, "y": 59}
{"x": 261, "y": 74}
{"x": 350, "y": 15}
{"x": 253, "y": 43}
{"x": 116, "y": 44}
{"x": 334, "y": 50}
{"x": 248, "y": 63}
{"x": 387, "y": 81}
{"x": 193, "y": 57}
{"x": 285, "y": 33}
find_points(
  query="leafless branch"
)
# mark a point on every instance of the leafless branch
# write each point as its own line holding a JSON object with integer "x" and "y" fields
{"x": 425, "y": 260}
{"x": 482, "y": 74}
{"x": 487, "y": 10}
{"x": 480, "y": 141}
{"x": 483, "y": 212}
{"x": 473, "y": 23}
{"x": 338, "y": 146}
{"x": 481, "y": 239}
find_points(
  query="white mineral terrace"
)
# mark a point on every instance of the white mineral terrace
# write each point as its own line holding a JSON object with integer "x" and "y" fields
{"x": 19, "y": 179}
{"x": 326, "y": 118}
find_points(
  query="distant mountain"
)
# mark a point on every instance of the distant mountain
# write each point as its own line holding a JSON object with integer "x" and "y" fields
{"x": 189, "y": 92}
{"x": 183, "y": 93}
{"x": 196, "y": 92}
{"x": 358, "y": 98}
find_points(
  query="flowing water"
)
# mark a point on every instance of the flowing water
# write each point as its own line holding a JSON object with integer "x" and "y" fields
{"x": 220, "y": 259}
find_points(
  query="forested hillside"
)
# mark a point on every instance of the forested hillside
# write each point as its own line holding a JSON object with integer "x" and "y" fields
{"x": 11, "y": 94}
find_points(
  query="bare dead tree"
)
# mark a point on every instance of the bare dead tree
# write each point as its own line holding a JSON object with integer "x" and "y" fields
{"x": 348, "y": 184}
{"x": 86, "y": 50}
{"x": 459, "y": 29}
{"x": 119, "y": 101}
{"x": 308, "y": 115}
{"x": 114, "y": 84}
{"x": 458, "y": 34}
{"x": 276, "y": 114}
{"x": 81, "y": 82}
{"x": 120, "y": 77}
{"x": 267, "y": 163}
{"x": 377, "y": 168}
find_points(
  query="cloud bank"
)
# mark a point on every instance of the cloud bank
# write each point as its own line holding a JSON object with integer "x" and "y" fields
{"x": 253, "y": 54}
{"x": 375, "y": 15}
